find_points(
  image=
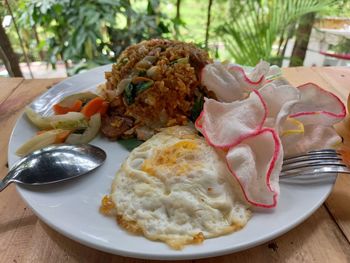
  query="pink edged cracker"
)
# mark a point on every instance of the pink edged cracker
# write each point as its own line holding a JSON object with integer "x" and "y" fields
{"x": 230, "y": 83}
{"x": 216, "y": 78}
{"x": 280, "y": 100}
{"x": 256, "y": 163}
{"x": 318, "y": 106}
{"x": 253, "y": 79}
{"x": 314, "y": 137}
{"x": 225, "y": 124}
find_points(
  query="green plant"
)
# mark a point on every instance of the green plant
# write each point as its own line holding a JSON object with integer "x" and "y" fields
{"x": 255, "y": 25}
{"x": 73, "y": 29}
{"x": 151, "y": 23}
{"x": 92, "y": 32}
{"x": 343, "y": 47}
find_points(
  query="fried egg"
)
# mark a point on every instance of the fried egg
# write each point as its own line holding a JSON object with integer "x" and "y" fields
{"x": 177, "y": 189}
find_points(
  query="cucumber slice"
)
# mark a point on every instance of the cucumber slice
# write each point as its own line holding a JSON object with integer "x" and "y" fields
{"x": 39, "y": 141}
{"x": 89, "y": 134}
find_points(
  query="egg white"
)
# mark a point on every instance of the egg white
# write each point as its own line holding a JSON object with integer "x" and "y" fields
{"x": 176, "y": 189}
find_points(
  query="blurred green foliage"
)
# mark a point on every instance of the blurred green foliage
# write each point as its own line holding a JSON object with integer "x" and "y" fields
{"x": 254, "y": 26}
{"x": 85, "y": 34}
{"x": 151, "y": 23}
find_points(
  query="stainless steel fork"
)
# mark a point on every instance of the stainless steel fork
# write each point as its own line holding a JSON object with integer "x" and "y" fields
{"x": 314, "y": 165}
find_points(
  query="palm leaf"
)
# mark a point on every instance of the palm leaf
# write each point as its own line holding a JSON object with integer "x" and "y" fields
{"x": 250, "y": 32}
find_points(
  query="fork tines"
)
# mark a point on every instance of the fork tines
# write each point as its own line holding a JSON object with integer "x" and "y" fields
{"x": 314, "y": 164}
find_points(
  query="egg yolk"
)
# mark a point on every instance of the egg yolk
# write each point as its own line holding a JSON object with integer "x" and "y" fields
{"x": 176, "y": 156}
{"x": 106, "y": 205}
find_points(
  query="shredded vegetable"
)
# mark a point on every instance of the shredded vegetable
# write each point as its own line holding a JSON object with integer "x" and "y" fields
{"x": 59, "y": 109}
{"x": 71, "y": 99}
{"x": 70, "y": 120}
{"x": 92, "y": 107}
{"x": 89, "y": 133}
{"x": 77, "y": 120}
{"x": 38, "y": 120}
{"x": 42, "y": 140}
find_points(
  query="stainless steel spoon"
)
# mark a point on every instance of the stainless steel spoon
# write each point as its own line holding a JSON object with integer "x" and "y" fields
{"x": 54, "y": 164}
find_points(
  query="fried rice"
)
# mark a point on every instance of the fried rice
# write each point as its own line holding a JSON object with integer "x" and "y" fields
{"x": 153, "y": 84}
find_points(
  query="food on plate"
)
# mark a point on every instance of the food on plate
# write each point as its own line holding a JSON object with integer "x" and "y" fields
{"x": 348, "y": 106}
{"x": 73, "y": 102}
{"x": 256, "y": 163}
{"x": 253, "y": 153}
{"x": 280, "y": 98}
{"x": 223, "y": 124}
{"x": 77, "y": 120}
{"x": 317, "y": 116}
{"x": 41, "y": 140}
{"x": 313, "y": 137}
{"x": 326, "y": 110}
{"x": 153, "y": 84}
{"x": 88, "y": 134}
{"x": 272, "y": 116}
{"x": 231, "y": 82}
{"x": 177, "y": 189}
{"x": 160, "y": 83}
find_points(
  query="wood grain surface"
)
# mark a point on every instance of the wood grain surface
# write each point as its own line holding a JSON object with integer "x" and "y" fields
{"x": 324, "y": 237}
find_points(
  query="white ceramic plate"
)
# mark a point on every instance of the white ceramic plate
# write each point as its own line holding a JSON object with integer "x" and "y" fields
{"x": 72, "y": 208}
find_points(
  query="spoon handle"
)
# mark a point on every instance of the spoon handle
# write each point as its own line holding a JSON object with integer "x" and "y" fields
{"x": 5, "y": 181}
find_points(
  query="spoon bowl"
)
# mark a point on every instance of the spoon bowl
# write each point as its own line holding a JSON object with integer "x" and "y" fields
{"x": 54, "y": 164}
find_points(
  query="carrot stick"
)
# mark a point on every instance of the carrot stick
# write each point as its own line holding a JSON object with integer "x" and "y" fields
{"x": 41, "y": 132}
{"x": 61, "y": 137}
{"x": 58, "y": 109}
{"x": 92, "y": 107}
{"x": 104, "y": 108}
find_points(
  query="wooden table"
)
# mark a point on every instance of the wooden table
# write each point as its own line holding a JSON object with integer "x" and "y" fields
{"x": 324, "y": 237}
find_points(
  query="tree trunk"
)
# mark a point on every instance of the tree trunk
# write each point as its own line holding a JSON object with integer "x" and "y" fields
{"x": 178, "y": 5}
{"x": 177, "y": 19}
{"x": 302, "y": 39}
{"x": 66, "y": 65}
{"x": 128, "y": 17}
{"x": 26, "y": 37}
{"x": 36, "y": 35}
{"x": 19, "y": 38}
{"x": 208, "y": 23}
{"x": 8, "y": 55}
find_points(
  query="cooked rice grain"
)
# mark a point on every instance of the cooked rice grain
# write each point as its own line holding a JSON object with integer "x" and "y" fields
{"x": 172, "y": 69}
